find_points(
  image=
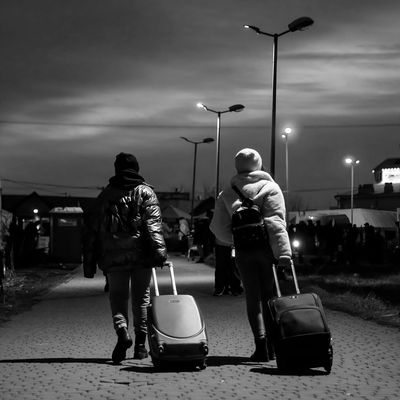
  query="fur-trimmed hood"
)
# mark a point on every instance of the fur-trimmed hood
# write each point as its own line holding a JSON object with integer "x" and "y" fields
{"x": 266, "y": 193}
{"x": 254, "y": 184}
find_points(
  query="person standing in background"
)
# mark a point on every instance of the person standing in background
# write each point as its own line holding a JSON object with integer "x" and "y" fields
{"x": 227, "y": 279}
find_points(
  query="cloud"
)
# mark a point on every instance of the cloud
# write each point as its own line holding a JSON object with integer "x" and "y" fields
{"x": 84, "y": 79}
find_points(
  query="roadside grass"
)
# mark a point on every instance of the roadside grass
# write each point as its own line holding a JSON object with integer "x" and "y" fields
{"x": 368, "y": 306}
{"x": 24, "y": 287}
{"x": 371, "y": 292}
{"x": 386, "y": 286}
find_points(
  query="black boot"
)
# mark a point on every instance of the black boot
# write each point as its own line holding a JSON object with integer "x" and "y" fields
{"x": 261, "y": 353}
{"x": 123, "y": 344}
{"x": 140, "y": 351}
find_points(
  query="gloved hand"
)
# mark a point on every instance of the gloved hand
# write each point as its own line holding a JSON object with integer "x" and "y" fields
{"x": 159, "y": 262}
{"x": 167, "y": 264}
{"x": 284, "y": 263}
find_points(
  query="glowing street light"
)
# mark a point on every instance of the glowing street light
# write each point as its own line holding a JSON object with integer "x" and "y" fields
{"x": 234, "y": 108}
{"x": 352, "y": 162}
{"x": 196, "y": 143}
{"x": 298, "y": 24}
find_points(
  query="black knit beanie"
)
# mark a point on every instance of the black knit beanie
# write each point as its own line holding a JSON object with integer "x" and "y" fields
{"x": 124, "y": 161}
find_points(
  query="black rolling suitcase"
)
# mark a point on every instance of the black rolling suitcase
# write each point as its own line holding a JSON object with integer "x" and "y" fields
{"x": 301, "y": 335}
{"x": 176, "y": 330}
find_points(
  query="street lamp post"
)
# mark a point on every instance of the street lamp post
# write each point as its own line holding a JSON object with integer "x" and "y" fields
{"x": 234, "y": 108}
{"x": 298, "y": 24}
{"x": 285, "y": 136}
{"x": 352, "y": 162}
{"x": 196, "y": 143}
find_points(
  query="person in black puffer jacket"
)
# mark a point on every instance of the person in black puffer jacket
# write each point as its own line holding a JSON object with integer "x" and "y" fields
{"x": 123, "y": 237}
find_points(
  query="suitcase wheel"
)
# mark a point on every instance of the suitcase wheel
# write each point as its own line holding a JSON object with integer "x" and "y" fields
{"x": 281, "y": 362}
{"x": 157, "y": 363}
{"x": 329, "y": 360}
{"x": 202, "y": 365}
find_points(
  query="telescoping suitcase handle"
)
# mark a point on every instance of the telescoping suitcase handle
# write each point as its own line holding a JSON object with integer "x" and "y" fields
{"x": 172, "y": 276}
{"x": 296, "y": 285}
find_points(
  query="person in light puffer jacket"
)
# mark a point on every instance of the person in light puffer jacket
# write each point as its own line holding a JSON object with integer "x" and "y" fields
{"x": 255, "y": 266}
{"x": 124, "y": 238}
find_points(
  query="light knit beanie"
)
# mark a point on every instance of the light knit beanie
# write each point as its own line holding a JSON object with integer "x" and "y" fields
{"x": 248, "y": 160}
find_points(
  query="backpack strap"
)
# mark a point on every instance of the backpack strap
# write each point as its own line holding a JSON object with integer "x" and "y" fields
{"x": 245, "y": 200}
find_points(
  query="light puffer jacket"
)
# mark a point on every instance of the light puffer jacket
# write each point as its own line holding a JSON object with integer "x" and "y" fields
{"x": 260, "y": 187}
{"x": 124, "y": 231}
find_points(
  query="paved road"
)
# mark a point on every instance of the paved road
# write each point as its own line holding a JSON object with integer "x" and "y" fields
{"x": 60, "y": 350}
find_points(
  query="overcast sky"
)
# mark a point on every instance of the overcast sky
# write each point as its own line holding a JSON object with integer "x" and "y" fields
{"x": 82, "y": 80}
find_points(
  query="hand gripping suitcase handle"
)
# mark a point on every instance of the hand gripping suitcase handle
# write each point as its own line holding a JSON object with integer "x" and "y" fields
{"x": 296, "y": 285}
{"x": 171, "y": 274}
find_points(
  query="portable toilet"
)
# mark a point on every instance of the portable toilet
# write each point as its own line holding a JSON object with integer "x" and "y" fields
{"x": 66, "y": 225}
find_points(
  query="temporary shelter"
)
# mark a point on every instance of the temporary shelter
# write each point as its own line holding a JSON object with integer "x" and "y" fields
{"x": 66, "y": 224}
{"x": 205, "y": 205}
{"x": 376, "y": 218}
{"x": 171, "y": 212}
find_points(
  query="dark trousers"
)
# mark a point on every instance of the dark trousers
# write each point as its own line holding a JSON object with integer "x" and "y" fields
{"x": 255, "y": 269}
{"x": 137, "y": 284}
{"x": 226, "y": 273}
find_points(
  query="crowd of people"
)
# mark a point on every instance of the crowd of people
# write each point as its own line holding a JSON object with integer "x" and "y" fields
{"x": 342, "y": 243}
{"x": 21, "y": 243}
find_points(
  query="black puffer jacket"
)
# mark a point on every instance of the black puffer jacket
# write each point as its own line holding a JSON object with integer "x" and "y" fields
{"x": 124, "y": 231}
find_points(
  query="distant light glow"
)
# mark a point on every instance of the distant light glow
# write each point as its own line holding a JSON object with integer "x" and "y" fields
{"x": 35, "y": 210}
{"x": 351, "y": 161}
{"x": 287, "y": 132}
{"x": 296, "y": 243}
{"x": 254, "y": 28}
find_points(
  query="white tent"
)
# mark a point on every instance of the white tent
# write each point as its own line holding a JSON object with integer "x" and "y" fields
{"x": 376, "y": 218}
{"x": 171, "y": 212}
